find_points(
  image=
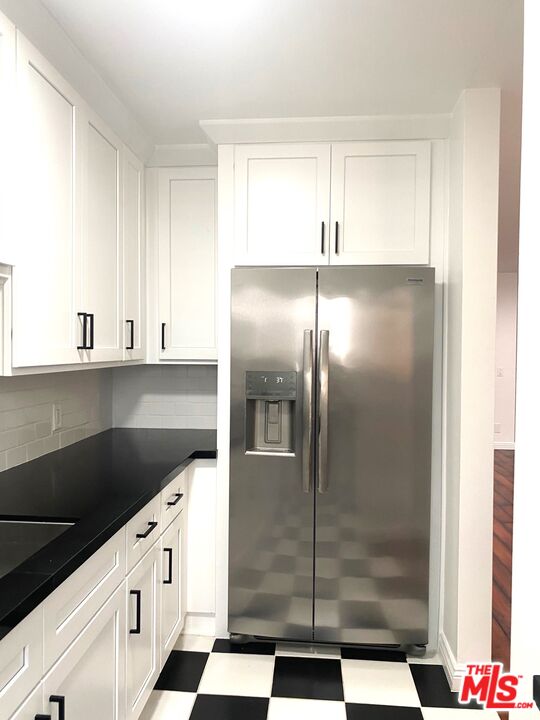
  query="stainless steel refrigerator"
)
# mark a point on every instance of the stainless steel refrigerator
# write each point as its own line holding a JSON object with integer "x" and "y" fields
{"x": 330, "y": 465}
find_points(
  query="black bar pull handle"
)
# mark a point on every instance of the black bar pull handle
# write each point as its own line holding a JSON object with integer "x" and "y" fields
{"x": 84, "y": 330}
{"x": 322, "y": 238}
{"x": 60, "y": 700}
{"x": 137, "y": 629}
{"x": 163, "y": 336}
{"x": 42, "y": 717}
{"x": 151, "y": 526}
{"x": 131, "y": 345}
{"x": 91, "y": 343}
{"x": 178, "y": 497}
{"x": 336, "y": 247}
{"x": 169, "y": 580}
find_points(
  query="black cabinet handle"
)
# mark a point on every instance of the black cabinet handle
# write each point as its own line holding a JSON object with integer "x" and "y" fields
{"x": 131, "y": 345}
{"x": 336, "y": 247}
{"x": 84, "y": 330}
{"x": 61, "y": 701}
{"x": 163, "y": 336}
{"x": 170, "y": 553}
{"x": 151, "y": 526}
{"x": 178, "y": 497}
{"x": 91, "y": 343}
{"x": 322, "y": 238}
{"x": 137, "y": 629}
{"x": 42, "y": 717}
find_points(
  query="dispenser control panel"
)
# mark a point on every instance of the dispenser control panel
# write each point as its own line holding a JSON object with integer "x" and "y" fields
{"x": 272, "y": 384}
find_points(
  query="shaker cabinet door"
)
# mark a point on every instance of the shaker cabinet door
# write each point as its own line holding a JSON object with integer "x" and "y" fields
{"x": 142, "y": 657}
{"x": 187, "y": 264}
{"x": 380, "y": 203}
{"x": 7, "y": 145}
{"x": 282, "y": 204}
{"x": 88, "y": 680}
{"x": 133, "y": 253}
{"x": 46, "y": 330}
{"x": 172, "y": 585}
{"x": 101, "y": 256}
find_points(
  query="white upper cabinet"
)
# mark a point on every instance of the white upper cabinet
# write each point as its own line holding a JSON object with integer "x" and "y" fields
{"x": 187, "y": 263}
{"x": 48, "y": 182}
{"x": 101, "y": 256}
{"x": 7, "y": 81}
{"x": 380, "y": 203}
{"x": 358, "y": 203}
{"x": 282, "y": 204}
{"x": 133, "y": 252}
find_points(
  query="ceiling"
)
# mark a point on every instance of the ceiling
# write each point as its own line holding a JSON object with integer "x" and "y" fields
{"x": 175, "y": 62}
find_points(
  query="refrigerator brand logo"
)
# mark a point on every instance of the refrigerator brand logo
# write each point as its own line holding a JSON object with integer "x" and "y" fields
{"x": 492, "y": 688}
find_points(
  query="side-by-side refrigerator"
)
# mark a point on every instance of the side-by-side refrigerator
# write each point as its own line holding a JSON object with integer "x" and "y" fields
{"x": 330, "y": 464}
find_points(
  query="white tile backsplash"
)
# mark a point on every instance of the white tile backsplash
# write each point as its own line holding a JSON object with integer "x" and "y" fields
{"x": 26, "y": 406}
{"x": 165, "y": 396}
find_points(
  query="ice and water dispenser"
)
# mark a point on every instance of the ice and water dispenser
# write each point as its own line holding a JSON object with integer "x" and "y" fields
{"x": 270, "y": 411}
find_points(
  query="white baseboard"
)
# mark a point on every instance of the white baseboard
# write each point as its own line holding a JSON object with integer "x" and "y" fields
{"x": 200, "y": 624}
{"x": 454, "y": 670}
{"x": 503, "y": 445}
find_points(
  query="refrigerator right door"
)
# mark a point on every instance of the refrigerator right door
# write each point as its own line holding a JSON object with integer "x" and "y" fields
{"x": 375, "y": 374}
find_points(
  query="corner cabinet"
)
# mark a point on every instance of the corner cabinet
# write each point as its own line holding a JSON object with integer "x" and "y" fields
{"x": 359, "y": 203}
{"x": 133, "y": 254}
{"x": 186, "y": 266}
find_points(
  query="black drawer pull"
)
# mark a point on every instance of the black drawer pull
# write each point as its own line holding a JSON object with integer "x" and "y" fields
{"x": 336, "y": 248}
{"x": 322, "y": 238}
{"x": 61, "y": 702}
{"x": 84, "y": 345}
{"x": 91, "y": 343}
{"x": 151, "y": 526}
{"x": 137, "y": 629}
{"x": 163, "y": 336}
{"x": 42, "y": 717}
{"x": 178, "y": 497}
{"x": 170, "y": 578}
{"x": 131, "y": 345}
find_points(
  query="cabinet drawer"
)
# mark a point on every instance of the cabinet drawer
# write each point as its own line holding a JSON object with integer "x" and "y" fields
{"x": 173, "y": 499}
{"x": 71, "y": 607}
{"x": 142, "y": 531}
{"x": 21, "y": 662}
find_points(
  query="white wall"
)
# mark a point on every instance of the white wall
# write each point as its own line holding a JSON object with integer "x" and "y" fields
{"x": 165, "y": 396}
{"x": 26, "y": 406}
{"x": 471, "y": 316}
{"x": 505, "y": 360}
{"x": 525, "y": 651}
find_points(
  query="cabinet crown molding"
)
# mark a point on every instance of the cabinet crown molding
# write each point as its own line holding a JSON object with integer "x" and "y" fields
{"x": 327, "y": 129}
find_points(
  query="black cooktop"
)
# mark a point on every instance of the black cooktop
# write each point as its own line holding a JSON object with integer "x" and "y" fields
{"x": 58, "y": 510}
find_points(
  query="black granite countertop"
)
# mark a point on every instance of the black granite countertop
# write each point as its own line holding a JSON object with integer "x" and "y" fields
{"x": 98, "y": 484}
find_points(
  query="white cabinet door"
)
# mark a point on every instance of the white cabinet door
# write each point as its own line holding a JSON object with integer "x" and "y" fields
{"x": 31, "y": 708}
{"x": 187, "y": 263}
{"x": 142, "y": 657}
{"x": 101, "y": 254}
{"x": 133, "y": 253}
{"x": 282, "y": 204}
{"x": 7, "y": 128}
{"x": 88, "y": 680}
{"x": 172, "y": 585}
{"x": 45, "y": 325}
{"x": 380, "y": 203}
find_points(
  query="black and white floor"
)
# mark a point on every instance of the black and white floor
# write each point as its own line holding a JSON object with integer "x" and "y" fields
{"x": 207, "y": 679}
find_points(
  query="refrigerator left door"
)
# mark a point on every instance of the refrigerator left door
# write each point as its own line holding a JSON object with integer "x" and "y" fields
{"x": 271, "y": 486}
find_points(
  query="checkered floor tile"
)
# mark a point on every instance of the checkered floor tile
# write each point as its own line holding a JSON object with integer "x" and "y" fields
{"x": 207, "y": 679}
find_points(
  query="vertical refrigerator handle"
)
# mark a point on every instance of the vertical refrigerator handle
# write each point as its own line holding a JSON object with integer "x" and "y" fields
{"x": 322, "y": 465}
{"x": 307, "y": 412}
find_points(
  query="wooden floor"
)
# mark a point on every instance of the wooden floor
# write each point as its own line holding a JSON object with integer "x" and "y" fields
{"x": 502, "y": 554}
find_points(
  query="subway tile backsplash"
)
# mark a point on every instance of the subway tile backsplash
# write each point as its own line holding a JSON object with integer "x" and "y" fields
{"x": 167, "y": 396}
{"x": 26, "y": 412}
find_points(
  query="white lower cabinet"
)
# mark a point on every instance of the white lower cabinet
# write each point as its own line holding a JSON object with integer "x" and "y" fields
{"x": 172, "y": 584}
{"x": 88, "y": 680}
{"x": 142, "y": 655}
